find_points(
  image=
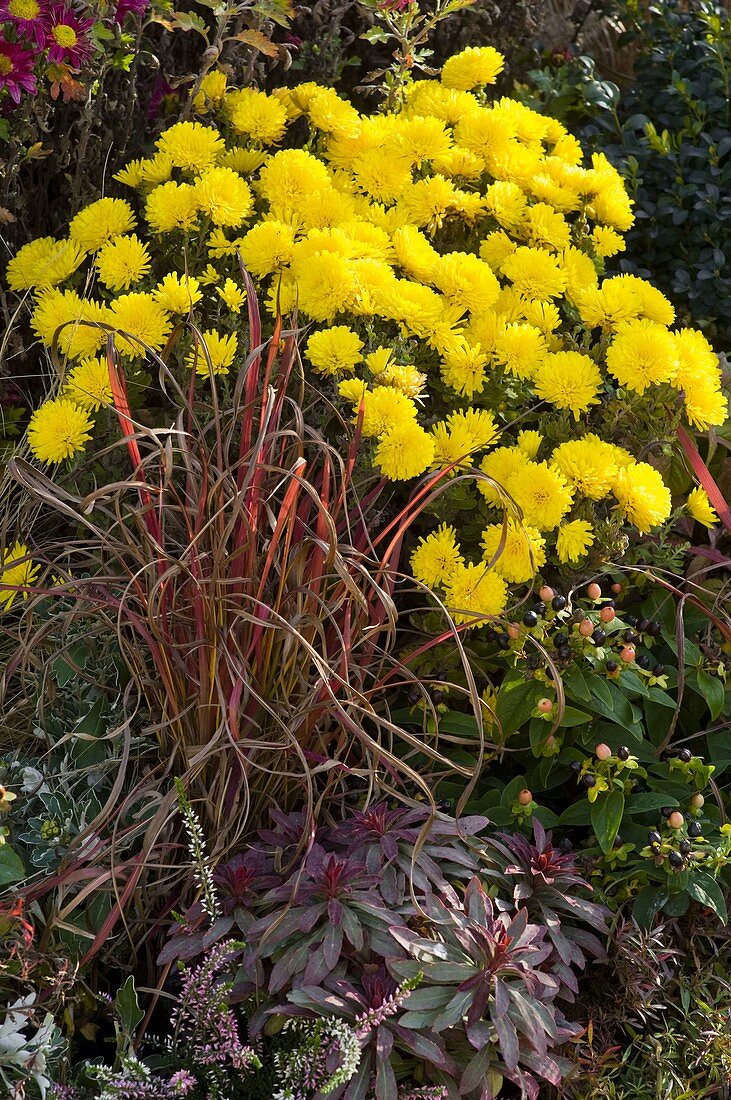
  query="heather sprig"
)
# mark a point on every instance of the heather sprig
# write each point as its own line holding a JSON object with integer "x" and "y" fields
{"x": 202, "y": 870}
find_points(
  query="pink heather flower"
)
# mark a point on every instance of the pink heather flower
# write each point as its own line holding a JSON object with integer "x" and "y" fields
{"x": 182, "y": 1082}
{"x": 16, "y": 70}
{"x": 68, "y": 37}
{"x": 130, "y": 7}
{"x": 29, "y": 19}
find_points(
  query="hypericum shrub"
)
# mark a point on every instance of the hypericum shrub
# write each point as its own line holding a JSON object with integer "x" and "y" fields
{"x": 386, "y": 922}
{"x": 447, "y": 258}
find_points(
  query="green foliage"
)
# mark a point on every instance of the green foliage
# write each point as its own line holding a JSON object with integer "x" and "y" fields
{"x": 668, "y": 133}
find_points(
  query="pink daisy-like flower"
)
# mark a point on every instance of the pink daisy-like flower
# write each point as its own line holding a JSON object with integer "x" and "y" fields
{"x": 130, "y": 7}
{"x": 16, "y": 70}
{"x": 29, "y": 18}
{"x": 68, "y": 37}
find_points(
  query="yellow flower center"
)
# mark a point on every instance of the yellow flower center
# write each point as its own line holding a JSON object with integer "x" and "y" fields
{"x": 24, "y": 9}
{"x": 64, "y": 35}
{"x": 6, "y": 65}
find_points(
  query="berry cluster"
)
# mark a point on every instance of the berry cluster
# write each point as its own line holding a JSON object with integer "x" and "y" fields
{"x": 556, "y": 631}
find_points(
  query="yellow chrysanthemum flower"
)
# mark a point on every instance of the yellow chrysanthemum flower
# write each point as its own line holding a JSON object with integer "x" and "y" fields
{"x": 453, "y": 447}
{"x": 57, "y": 308}
{"x": 172, "y": 206}
{"x": 606, "y": 241}
{"x": 232, "y": 295}
{"x": 642, "y": 353}
{"x": 514, "y": 550}
{"x": 543, "y": 495}
{"x": 568, "y": 380}
{"x": 143, "y": 318}
{"x": 100, "y": 222}
{"x": 466, "y": 281}
{"x": 588, "y": 464}
{"x": 123, "y": 262}
{"x": 58, "y": 430}
{"x": 534, "y": 273}
{"x": 404, "y": 451}
{"x": 472, "y": 68}
{"x": 325, "y": 282}
{"x": 16, "y": 574}
{"x": 499, "y": 466}
{"x": 88, "y": 385}
{"x": 44, "y": 262}
{"x": 700, "y": 508}
{"x": 261, "y": 117}
{"x": 191, "y": 146}
{"x": 335, "y": 349}
{"x": 520, "y": 349}
{"x": 211, "y": 91}
{"x": 529, "y": 442}
{"x": 642, "y": 495}
{"x": 178, "y": 293}
{"x": 464, "y": 368}
{"x": 573, "y": 540}
{"x": 474, "y": 593}
{"x": 218, "y": 347}
{"x": 480, "y": 423}
{"x": 224, "y": 196}
{"x": 384, "y": 407}
{"x": 436, "y": 557}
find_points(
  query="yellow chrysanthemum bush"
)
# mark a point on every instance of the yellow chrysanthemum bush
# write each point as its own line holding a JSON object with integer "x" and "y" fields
{"x": 446, "y": 262}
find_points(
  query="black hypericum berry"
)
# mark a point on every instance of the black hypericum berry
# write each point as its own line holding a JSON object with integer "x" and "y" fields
{"x": 695, "y": 829}
{"x": 533, "y": 662}
{"x": 530, "y": 619}
{"x": 685, "y": 756}
{"x": 630, "y": 637}
{"x": 685, "y": 847}
{"x": 564, "y": 652}
{"x": 654, "y": 628}
{"x": 643, "y": 625}
{"x": 599, "y": 636}
{"x": 575, "y": 765}
{"x": 657, "y": 670}
{"x": 558, "y": 603}
{"x": 653, "y": 837}
{"x": 490, "y": 636}
{"x": 438, "y": 696}
{"x": 611, "y": 666}
{"x": 539, "y": 607}
{"x": 565, "y": 844}
{"x": 559, "y": 639}
{"x": 623, "y": 753}
{"x": 445, "y": 806}
{"x": 655, "y": 849}
{"x": 588, "y": 781}
{"x": 577, "y": 616}
{"x": 618, "y": 842}
{"x": 675, "y": 859}
{"x": 631, "y": 620}
{"x": 414, "y": 694}
{"x": 503, "y": 641}
{"x": 666, "y": 811}
{"x": 643, "y": 661}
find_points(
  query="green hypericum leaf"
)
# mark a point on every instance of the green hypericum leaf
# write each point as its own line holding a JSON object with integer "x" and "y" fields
{"x": 704, "y": 889}
{"x": 713, "y": 691}
{"x": 516, "y": 700}
{"x": 11, "y": 866}
{"x": 606, "y": 817}
{"x": 648, "y": 904}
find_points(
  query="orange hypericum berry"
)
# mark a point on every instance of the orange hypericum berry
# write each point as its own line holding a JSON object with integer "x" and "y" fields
{"x": 593, "y": 591}
{"x": 546, "y": 593}
{"x": 676, "y": 820}
{"x": 545, "y": 706}
{"x": 602, "y": 751}
{"x": 607, "y": 614}
{"x": 586, "y": 628}
{"x": 525, "y": 796}
{"x": 628, "y": 654}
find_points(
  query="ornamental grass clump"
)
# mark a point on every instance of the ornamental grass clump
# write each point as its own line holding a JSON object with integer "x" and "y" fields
{"x": 447, "y": 261}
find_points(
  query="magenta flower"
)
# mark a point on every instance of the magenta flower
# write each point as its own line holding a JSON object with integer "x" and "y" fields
{"x": 68, "y": 37}
{"x": 130, "y": 7}
{"x": 29, "y": 19}
{"x": 16, "y": 70}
